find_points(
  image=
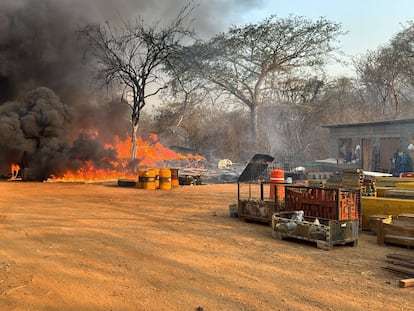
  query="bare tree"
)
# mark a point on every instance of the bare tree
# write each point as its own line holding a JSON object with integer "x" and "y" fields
{"x": 387, "y": 72}
{"x": 211, "y": 131}
{"x": 241, "y": 61}
{"x": 380, "y": 72}
{"x": 296, "y": 114}
{"x": 130, "y": 58}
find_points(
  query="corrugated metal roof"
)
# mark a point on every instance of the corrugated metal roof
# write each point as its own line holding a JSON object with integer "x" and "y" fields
{"x": 375, "y": 123}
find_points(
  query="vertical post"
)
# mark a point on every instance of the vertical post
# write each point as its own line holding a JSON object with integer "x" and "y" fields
{"x": 276, "y": 194}
{"x": 338, "y": 206}
{"x": 261, "y": 192}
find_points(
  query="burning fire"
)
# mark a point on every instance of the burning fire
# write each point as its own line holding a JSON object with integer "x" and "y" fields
{"x": 149, "y": 154}
{"x": 15, "y": 169}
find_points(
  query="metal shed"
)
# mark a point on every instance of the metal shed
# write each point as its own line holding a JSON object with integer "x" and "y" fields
{"x": 372, "y": 145}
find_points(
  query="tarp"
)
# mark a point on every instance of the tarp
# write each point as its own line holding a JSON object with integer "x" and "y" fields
{"x": 255, "y": 167}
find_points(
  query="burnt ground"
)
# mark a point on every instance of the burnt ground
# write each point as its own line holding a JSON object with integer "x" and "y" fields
{"x": 67, "y": 246}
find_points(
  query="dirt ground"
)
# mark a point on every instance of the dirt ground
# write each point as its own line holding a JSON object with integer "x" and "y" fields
{"x": 67, "y": 246}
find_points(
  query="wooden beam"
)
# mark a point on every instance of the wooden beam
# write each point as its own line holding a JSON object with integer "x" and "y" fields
{"x": 402, "y": 257}
{"x": 406, "y": 283}
{"x": 404, "y": 272}
{"x": 402, "y": 263}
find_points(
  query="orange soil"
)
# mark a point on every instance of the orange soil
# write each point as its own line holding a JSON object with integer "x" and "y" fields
{"x": 67, "y": 246}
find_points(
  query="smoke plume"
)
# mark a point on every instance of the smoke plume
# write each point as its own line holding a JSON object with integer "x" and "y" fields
{"x": 47, "y": 102}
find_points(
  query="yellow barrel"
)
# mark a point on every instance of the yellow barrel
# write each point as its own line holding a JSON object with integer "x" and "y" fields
{"x": 165, "y": 179}
{"x": 149, "y": 179}
{"x": 157, "y": 178}
{"x": 141, "y": 175}
{"x": 174, "y": 177}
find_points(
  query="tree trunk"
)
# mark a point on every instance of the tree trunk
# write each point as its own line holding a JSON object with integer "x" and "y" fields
{"x": 396, "y": 100}
{"x": 254, "y": 127}
{"x": 254, "y": 118}
{"x": 134, "y": 146}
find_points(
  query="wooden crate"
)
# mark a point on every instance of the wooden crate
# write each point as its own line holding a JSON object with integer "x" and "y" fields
{"x": 325, "y": 234}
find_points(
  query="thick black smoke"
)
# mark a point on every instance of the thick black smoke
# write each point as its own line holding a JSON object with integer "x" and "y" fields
{"x": 47, "y": 102}
{"x": 32, "y": 133}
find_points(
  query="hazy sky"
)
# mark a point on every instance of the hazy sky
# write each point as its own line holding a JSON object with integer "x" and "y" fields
{"x": 370, "y": 23}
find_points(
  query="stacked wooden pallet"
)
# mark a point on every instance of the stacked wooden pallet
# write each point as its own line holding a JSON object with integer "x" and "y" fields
{"x": 335, "y": 181}
{"x": 316, "y": 183}
{"x": 352, "y": 178}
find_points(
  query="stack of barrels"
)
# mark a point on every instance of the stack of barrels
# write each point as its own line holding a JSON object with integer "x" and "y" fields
{"x": 163, "y": 178}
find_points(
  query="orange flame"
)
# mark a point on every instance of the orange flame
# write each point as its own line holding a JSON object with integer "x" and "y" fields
{"x": 149, "y": 154}
{"x": 15, "y": 169}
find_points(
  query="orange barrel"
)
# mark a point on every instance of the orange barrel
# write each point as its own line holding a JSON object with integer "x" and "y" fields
{"x": 140, "y": 183}
{"x": 149, "y": 179}
{"x": 174, "y": 177}
{"x": 277, "y": 177}
{"x": 165, "y": 179}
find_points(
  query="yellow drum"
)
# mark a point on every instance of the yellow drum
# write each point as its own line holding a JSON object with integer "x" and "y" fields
{"x": 157, "y": 178}
{"x": 149, "y": 179}
{"x": 165, "y": 179}
{"x": 141, "y": 175}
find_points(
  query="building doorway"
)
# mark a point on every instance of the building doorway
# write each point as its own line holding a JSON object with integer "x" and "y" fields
{"x": 388, "y": 146}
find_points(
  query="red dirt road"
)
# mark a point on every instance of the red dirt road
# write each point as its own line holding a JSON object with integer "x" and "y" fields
{"x": 67, "y": 246}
